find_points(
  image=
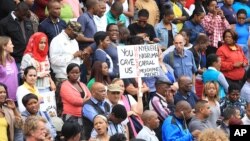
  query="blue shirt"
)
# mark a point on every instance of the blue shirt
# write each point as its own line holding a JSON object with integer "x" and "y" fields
{"x": 243, "y": 33}
{"x": 90, "y": 112}
{"x": 191, "y": 98}
{"x": 173, "y": 129}
{"x": 195, "y": 29}
{"x": 162, "y": 33}
{"x": 50, "y": 28}
{"x": 182, "y": 65}
{"x": 88, "y": 27}
{"x": 229, "y": 14}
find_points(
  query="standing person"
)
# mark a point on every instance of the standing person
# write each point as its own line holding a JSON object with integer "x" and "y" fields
{"x": 242, "y": 4}
{"x": 53, "y": 24}
{"x": 74, "y": 94}
{"x": 39, "y": 8}
{"x": 177, "y": 58}
{"x": 100, "y": 18}
{"x": 175, "y": 127}
{"x": 194, "y": 24}
{"x": 213, "y": 74}
{"x": 166, "y": 30}
{"x": 102, "y": 41}
{"x": 214, "y": 24}
{"x": 229, "y": 11}
{"x": 8, "y": 68}
{"x": 64, "y": 50}
{"x": 9, "y": 115}
{"x": 36, "y": 54}
{"x": 29, "y": 86}
{"x": 210, "y": 94}
{"x": 19, "y": 29}
{"x": 115, "y": 15}
{"x": 151, "y": 122}
{"x": 99, "y": 73}
{"x": 233, "y": 60}
{"x": 88, "y": 24}
{"x": 242, "y": 30}
{"x": 34, "y": 128}
{"x": 152, "y": 8}
{"x": 32, "y": 16}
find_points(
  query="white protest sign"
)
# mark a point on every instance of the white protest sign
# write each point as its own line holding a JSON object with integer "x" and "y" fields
{"x": 138, "y": 61}
{"x": 49, "y": 103}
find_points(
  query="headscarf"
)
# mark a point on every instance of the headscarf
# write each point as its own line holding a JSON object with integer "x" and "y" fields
{"x": 33, "y": 47}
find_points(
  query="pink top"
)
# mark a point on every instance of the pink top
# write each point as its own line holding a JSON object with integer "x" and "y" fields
{"x": 75, "y": 6}
{"x": 71, "y": 98}
{"x": 8, "y": 76}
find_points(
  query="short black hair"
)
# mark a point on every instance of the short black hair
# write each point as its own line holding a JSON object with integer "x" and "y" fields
{"x": 109, "y": 25}
{"x": 100, "y": 36}
{"x": 232, "y": 87}
{"x": 143, "y": 13}
{"x": 119, "y": 111}
{"x": 232, "y": 32}
{"x": 211, "y": 58}
{"x": 241, "y": 11}
{"x": 70, "y": 129}
{"x": 117, "y": 6}
{"x": 28, "y": 97}
{"x": 22, "y": 6}
{"x": 118, "y": 137}
{"x": 168, "y": 10}
{"x": 71, "y": 66}
{"x": 90, "y": 3}
{"x": 135, "y": 40}
{"x": 27, "y": 69}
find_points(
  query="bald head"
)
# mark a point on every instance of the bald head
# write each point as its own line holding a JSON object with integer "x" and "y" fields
{"x": 150, "y": 119}
{"x": 98, "y": 91}
{"x": 185, "y": 84}
{"x": 182, "y": 106}
{"x": 179, "y": 43}
{"x": 146, "y": 115}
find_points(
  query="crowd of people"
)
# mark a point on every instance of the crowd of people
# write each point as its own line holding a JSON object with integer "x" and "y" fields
{"x": 69, "y": 48}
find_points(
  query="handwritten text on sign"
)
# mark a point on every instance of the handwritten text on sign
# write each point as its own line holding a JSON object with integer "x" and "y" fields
{"x": 138, "y": 61}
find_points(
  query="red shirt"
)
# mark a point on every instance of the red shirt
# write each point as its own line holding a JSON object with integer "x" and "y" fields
{"x": 189, "y": 2}
{"x": 228, "y": 58}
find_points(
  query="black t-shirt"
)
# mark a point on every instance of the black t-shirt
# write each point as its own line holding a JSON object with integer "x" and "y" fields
{"x": 149, "y": 29}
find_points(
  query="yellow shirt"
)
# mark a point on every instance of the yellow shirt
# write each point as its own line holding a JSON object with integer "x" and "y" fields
{"x": 33, "y": 90}
{"x": 177, "y": 13}
{"x": 3, "y": 129}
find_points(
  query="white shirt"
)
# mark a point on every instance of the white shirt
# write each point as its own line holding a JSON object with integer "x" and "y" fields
{"x": 61, "y": 54}
{"x": 101, "y": 22}
{"x": 245, "y": 120}
{"x": 147, "y": 134}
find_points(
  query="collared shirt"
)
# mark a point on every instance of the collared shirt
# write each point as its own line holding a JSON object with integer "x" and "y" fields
{"x": 88, "y": 27}
{"x": 182, "y": 65}
{"x": 50, "y": 28}
{"x": 214, "y": 27}
{"x": 160, "y": 106}
{"x": 191, "y": 98}
{"x": 240, "y": 104}
{"x": 61, "y": 52}
{"x": 246, "y": 120}
{"x": 147, "y": 134}
{"x": 112, "y": 19}
{"x": 245, "y": 91}
{"x": 101, "y": 22}
{"x": 90, "y": 112}
{"x": 162, "y": 33}
{"x": 196, "y": 29}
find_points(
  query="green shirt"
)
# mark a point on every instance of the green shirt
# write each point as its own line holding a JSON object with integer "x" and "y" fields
{"x": 111, "y": 18}
{"x": 90, "y": 83}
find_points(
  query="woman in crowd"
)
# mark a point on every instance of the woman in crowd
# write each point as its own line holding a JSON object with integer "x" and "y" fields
{"x": 213, "y": 135}
{"x": 210, "y": 93}
{"x": 101, "y": 127}
{"x": 9, "y": 115}
{"x": 32, "y": 106}
{"x": 102, "y": 41}
{"x": 99, "y": 73}
{"x": 133, "y": 107}
{"x": 8, "y": 68}
{"x": 71, "y": 131}
{"x": 36, "y": 54}
{"x": 73, "y": 94}
{"x": 242, "y": 4}
{"x": 194, "y": 24}
{"x": 29, "y": 86}
{"x": 233, "y": 60}
{"x": 213, "y": 73}
{"x": 242, "y": 29}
